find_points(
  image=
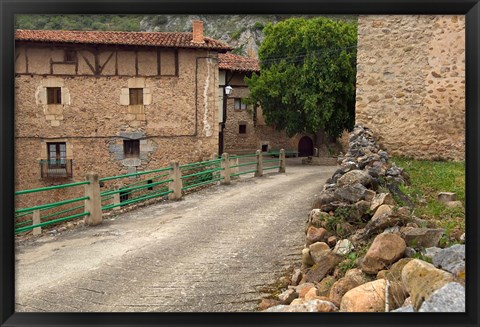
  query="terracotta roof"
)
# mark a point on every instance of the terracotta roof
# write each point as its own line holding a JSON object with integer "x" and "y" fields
{"x": 230, "y": 61}
{"x": 157, "y": 39}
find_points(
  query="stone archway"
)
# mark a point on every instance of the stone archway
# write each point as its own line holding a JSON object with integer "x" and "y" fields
{"x": 305, "y": 147}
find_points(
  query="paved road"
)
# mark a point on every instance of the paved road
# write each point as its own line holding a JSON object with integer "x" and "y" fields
{"x": 212, "y": 251}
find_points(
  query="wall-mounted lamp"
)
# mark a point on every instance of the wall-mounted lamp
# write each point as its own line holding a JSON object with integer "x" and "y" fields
{"x": 228, "y": 90}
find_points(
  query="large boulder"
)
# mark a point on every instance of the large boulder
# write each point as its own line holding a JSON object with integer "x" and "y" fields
{"x": 385, "y": 250}
{"x": 324, "y": 266}
{"x": 287, "y": 296}
{"x": 423, "y": 237}
{"x": 370, "y": 297}
{"x": 353, "y": 177}
{"x": 448, "y": 298}
{"x": 421, "y": 279}
{"x": 451, "y": 259}
{"x": 342, "y": 286}
{"x": 351, "y": 193}
{"x": 317, "y": 218}
{"x": 324, "y": 197}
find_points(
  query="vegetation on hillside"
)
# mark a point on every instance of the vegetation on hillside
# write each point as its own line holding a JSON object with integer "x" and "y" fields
{"x": 79, "y": 22}
{"x": 307, "y": 80}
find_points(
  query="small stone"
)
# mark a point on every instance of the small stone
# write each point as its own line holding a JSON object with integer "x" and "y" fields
{"x": 343, "y": 247}
{"x": 381, "y": 199}
{"x": 331, "y": 241}
{"x": 311, "y": 294}
{"x": 449, "y": 298}
{"x": 297, "y": 302}
{"x": 444, "y": 197}
{"x": 410, "y": 252}
{"x": 267, "y": 303}
{"x": 462, "y": 238}
{"x": 307, "y": 258}
{"x": 316, "y": 235}
{"x": 369, "y": 195}
{"x": 325, "y": 285}
{"x": 323, "y": 198}
{"x": 408, "y": 308}
{"x": 454, "y": 204}
{"x": 287, "y": 296}
{"x": 317, "y": 249}
{"x": 70, "y": 225}
{"x": 303, "y": 289}
{"x": 383, "y": 210}
{"x": 296, "y": 276}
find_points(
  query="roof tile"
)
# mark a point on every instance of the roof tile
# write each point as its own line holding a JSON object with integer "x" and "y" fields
{"x": 157, "y": 39}
{"x": 230, "y": 61}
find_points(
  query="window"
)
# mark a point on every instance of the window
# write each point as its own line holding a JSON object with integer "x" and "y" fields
{"x": 242, "y": 129}
{"x": 56, "y": 165}
{"x": 136, "y": 95}
{"x": 131, "y": 148}
{"x": 264, "y": 147}
{"x": 57, "y": 154}
{"x": 239, "y": 104}
{"x": 54, "y": 95}
{"x": 70, "y": 56}
{"x": 150, "y": 181}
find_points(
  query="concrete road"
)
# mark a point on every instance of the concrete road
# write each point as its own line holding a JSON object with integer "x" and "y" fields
{"x": 212, "y": 251}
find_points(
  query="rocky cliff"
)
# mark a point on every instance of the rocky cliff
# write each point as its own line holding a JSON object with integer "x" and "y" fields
{"x": 243, "y": 32}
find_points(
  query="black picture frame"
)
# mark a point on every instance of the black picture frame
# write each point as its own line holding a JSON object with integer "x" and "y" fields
{"x": 470, "y": 8}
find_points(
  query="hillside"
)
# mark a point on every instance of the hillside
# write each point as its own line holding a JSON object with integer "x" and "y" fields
{"x": 243, "y": 32}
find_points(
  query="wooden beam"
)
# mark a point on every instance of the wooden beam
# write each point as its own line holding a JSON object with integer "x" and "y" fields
{"x": 88, "y": 62}
{"x": 106, "y": 62}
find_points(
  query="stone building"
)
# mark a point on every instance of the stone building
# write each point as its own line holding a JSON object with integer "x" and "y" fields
{"x": 411, "y": 84}
{"x": 244, "y": 129}
{"x": 112, "y": 103}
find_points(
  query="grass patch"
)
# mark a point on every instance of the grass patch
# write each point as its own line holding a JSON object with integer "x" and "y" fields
{"x": 428, "y": 178}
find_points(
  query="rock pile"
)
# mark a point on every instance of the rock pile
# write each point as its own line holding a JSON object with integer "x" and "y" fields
{"x": 365, "y": 251}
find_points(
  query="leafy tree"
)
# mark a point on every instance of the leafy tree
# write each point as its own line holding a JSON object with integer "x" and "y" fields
{"x": 307, "y": 75}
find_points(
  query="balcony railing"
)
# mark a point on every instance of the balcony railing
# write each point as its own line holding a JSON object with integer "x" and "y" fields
{"x": 56, "y": 168}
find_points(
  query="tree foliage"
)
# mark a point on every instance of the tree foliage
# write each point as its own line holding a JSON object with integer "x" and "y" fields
{"x": 79, "y": 22}
{"x": 307, "y": 75}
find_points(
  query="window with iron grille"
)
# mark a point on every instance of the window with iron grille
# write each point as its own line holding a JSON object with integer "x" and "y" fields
{"x": 131, "y": 148}
{"x": 54, "y": 95}
{"x": 136, "y": 95}
{"x": 57, "y": 165}
{"x": 239, "y": 104}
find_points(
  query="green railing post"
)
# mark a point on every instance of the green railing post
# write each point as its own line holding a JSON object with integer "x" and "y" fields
{"x": 282, "y": 161}
{"x": 225, "y": 173}
{"x": 259, "y": 172}
{"x": 93, "y": 204}
{"x": 176, "y": 184}
{"x": 35, "y": 221}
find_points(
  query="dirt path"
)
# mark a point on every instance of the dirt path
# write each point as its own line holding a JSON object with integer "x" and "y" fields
{"x": 212, "y": 251}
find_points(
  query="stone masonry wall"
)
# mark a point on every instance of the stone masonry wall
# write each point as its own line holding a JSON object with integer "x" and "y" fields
{"x": 257, "y": 134}
{"x": 95, "y": 120}
{"x": 411, "y": 84}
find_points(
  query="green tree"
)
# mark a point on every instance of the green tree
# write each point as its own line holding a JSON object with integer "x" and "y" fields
{"x": 307, "y": 75}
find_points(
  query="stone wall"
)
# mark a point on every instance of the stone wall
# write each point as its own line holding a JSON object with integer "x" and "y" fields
{"x": 411, "y": 84}
{"x": 97, "y": 118}
{"x": 257, "y": 132}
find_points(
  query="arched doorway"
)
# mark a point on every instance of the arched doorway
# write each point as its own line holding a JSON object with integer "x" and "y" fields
{"x": 305, "y": 147}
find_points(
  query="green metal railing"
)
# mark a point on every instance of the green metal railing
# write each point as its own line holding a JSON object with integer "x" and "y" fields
{"x": 193, "y": 176}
